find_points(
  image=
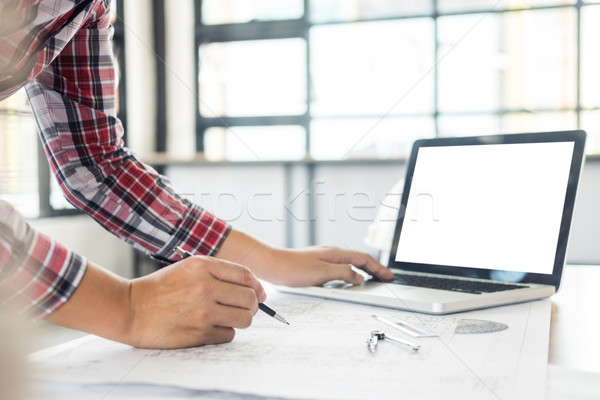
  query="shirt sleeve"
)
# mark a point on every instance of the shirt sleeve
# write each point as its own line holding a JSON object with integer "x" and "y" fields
{"x": 74, "y": 102}
{"x": 37, "y": 274}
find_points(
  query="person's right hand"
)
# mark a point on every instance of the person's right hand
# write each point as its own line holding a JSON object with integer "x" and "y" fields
{"x": 196, "y": 301}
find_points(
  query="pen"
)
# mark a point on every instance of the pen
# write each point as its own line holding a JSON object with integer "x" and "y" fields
{"x": 263, "y": 307}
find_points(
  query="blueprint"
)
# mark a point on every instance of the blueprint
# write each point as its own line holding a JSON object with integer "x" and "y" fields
{"x": 323, "y": 354}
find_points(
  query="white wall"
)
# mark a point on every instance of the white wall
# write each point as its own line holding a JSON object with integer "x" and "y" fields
{"x": 584, "y": 245}
{"x": 248, "y": 197}
{"x": 254, "y": 198}
{"x": 251, "y": 197}
{"x": 352, "y": 196}
{"x": 347, "y": 197}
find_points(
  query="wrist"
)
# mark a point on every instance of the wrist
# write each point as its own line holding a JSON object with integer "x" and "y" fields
{"x": 100, "y": 305}
{"x": 242, "y": 249}
{"x": 127, "y": 314}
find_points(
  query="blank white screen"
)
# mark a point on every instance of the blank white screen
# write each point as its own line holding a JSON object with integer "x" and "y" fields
{"x": 487, "y": 206}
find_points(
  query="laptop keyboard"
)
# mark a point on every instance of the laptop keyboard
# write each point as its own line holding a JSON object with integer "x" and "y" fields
{"x": 455, "y": 285}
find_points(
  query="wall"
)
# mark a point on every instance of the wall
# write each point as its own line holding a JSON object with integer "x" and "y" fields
{"x": 347, "y": 196}
{"x": 584, "y": 244}
{"x": 251, "y": 197}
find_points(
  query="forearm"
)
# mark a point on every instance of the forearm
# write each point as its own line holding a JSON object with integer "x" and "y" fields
{"x": 300, "y": 267}
{"x": 75, "y": 106}
{"x": 243, "y": 249}
{"x": 100, "y": 305}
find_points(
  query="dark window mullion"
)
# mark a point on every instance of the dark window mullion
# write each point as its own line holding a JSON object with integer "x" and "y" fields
{"x": 226, "y": 122}
{"x": 119, "y": 40}
{"x": 255, "y": 30}
{"x": 436, "y": 74}
{"x": 578, "y": 8}
{"x": 158, "y": 10}
{"x": 43, "y": 183}
{"x": 200, "y": 127}
{"x": 308, "y": 115}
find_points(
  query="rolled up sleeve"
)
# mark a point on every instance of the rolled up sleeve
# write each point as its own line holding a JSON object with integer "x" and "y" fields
{"x": 37, "y": 274}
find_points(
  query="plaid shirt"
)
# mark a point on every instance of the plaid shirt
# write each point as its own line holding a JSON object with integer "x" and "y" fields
{"x": 61, "y": 52}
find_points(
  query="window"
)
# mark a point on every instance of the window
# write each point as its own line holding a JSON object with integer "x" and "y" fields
{"x": 25, "y": 178}
{"x": 19, "y": 181}
{"x": 337, "y": 79}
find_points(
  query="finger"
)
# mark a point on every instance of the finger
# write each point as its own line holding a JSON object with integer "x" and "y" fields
{"x": 364, "y": 262}
{"x": 237, "y": 274}
{"x": 220, "y": 334}
{"x": 342, "y": 271}
{"x": 191, "y": 336}
{"x": 234, "y": 295}
{"x": 212, "y": 335}
{"x": 371, "y": 266}
{"x": 231, "y": 317}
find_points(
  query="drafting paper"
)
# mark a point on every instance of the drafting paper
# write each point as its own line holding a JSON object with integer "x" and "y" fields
{"x": 323, "y": 354}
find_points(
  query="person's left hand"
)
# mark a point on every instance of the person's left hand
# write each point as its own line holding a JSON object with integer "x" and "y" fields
{"x": 319, "y": 264}
{"x": 299, "y": 267}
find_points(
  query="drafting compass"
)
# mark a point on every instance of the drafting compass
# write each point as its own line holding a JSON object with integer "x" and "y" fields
{"x": 376, "y": 336}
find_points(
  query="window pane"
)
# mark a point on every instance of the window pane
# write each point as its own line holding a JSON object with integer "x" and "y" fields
{"x": 18, "y": 155}
{"x": 538, "y": 122}
{"x": 590, "y": 57}
{"x": 58, "y": 201}
{"x": 352, "y": 10}
{"x": 491, "y": 124}
{"x": 264, "y": 77}
{"x": 510, "y": 61}
{"x": 256, "y": 143}
{"x": 590, "y": 122}
{"x": 235, "y": 11}
{"x": 484, "y": 5}
{"x": 336, "y": 139}
{"x": 372, "y": 68}
{"x": 469, "y": 125}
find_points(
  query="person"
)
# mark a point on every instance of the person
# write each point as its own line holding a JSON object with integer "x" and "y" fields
{"x": 60, "y": 51}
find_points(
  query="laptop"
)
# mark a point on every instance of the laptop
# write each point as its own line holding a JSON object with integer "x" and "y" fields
{"x": 483, "y": 221}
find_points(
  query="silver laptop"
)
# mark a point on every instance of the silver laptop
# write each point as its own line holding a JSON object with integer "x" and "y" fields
{"x": 484, "y": 221}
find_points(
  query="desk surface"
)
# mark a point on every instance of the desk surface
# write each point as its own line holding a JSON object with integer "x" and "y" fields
{"x": 575, "y": 325}
{"x": 573, "y": 342}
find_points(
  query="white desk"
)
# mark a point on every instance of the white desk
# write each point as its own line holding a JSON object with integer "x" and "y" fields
{"x": 574, "y": 352}
{"x": 572, "y": 341}
{"x": 575, "y": 324}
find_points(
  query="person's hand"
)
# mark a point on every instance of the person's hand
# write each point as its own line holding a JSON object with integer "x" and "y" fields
{"x": 199, "y": 300}
{"x": 319, "y": 264}
{"x": 196, "y": 301}
{"x": 302, "y": 267}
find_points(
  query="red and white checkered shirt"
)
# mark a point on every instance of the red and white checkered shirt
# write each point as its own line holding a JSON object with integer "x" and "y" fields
{"x": 60, "y": 50}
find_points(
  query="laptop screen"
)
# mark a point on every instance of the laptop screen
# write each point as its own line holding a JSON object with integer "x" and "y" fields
{"x": 494, "y": 207}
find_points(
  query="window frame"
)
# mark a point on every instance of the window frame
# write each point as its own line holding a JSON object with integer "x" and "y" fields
{"x": 255, "y": 30}
{"x": 300, "y": 28}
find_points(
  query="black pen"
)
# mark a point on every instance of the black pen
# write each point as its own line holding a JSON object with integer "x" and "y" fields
{"x": 262, "y": 306}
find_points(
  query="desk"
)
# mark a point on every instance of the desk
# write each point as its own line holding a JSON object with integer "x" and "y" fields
{"x": 570, "y": 325}
{"x": 575, "y": 326}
